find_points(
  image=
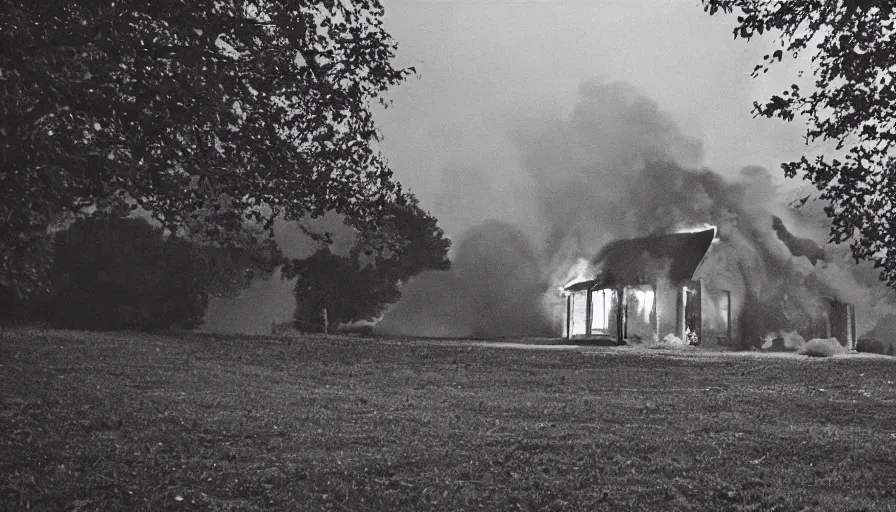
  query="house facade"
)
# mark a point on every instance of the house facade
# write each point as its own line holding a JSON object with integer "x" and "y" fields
{"x": 646, "y": 289}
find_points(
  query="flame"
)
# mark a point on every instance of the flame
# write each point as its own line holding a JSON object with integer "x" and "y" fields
{"x": 580, "y": 271}
{"x": 698, "y": 227}
{"x": 645, "y": 302}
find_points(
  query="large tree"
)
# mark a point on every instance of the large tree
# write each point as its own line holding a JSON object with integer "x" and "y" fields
{"x": 853, "y": 103}
{"x": 205, "y": 113}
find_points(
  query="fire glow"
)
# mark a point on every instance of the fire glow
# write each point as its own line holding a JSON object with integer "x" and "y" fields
{"x": 697, "y": 228}
{"x": 579, "y": 272}
{"x": 645, "y": 300}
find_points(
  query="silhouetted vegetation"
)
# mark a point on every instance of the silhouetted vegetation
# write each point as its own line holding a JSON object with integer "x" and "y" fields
{"x": 345, "y": 287}
{"x": 332, "y": 289}
{"x": 123, "y": 274}
{"x": 111, "y": 272}
{"x": 850, "y": 105}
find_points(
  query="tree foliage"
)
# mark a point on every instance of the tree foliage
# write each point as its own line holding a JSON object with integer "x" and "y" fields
{"x": 123, "y": 274}
{"x": 853, "y": 103}
{"x": 344, "y": 286}
{"x": 205, "y": 113}
{"x": 408, "y": 241}
{"x": 360, "y": 285}
{"x": 110, "y": 272}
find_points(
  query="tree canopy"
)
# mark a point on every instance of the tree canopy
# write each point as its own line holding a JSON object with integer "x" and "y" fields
{"x": 360, "y": 285}
{"x": 205, "y": 113}
{"x": 113, "y": 273}
{"x": 110, "y": 272}
{"x": 852, "y": 103}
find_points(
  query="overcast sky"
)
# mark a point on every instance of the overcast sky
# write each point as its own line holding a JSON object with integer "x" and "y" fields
{"x": 485, "y": 65}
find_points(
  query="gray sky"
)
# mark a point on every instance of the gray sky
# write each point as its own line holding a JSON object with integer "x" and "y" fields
{"x": 485, "y": 65}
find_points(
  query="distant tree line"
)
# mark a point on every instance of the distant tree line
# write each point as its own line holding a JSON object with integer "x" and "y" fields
{"x": 112, "y": 272}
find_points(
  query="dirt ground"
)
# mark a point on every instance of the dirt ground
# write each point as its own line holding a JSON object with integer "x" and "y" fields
{"x": 185, "y": 421}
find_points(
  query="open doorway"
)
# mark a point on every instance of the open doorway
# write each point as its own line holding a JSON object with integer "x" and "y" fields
{"x": 692, "y": 312}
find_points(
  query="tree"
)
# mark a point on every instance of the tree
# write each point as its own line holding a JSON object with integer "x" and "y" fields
{"x": 225, "y": 271}
{"x": 853, "y": 103}
{"x": 408, "y": 241}
{"x": 113, "y": 273}
{"x": 362, "y": 284}
{"x": 205, "y": 113}
{"x": 342, "y": 286}
{"x": 123, "y": 273}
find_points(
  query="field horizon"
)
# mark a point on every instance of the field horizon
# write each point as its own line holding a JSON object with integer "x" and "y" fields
{"x": 199, "y": 421}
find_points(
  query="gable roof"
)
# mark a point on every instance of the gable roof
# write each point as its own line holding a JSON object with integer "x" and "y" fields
{"x": 644, "y": 260}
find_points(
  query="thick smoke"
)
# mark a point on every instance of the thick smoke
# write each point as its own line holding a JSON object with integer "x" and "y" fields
{"x": 618, "y": 167}
{"x": 495, "y": 288}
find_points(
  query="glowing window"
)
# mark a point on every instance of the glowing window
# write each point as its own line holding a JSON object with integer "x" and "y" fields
{"x": 725, "y": 313}
{"x": 577, "y": 321}
{"x": 601, "y": 306}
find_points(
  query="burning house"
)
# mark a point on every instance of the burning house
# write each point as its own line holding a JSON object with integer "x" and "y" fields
{"x": 665, "y": 287}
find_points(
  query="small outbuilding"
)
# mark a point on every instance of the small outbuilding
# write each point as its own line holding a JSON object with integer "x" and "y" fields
{"x": 646, "y": 289}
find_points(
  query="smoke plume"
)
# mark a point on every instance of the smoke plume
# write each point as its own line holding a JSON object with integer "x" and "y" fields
{"x": 495, "y": 288}
{"x": 617, "y": 167}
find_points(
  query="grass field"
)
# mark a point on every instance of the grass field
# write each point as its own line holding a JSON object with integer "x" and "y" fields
{"x": 151, "y": 422}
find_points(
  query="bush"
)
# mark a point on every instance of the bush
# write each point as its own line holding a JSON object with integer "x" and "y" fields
{"x": 876, "y": 346}
{"x": 822, "y": 347}
{"x": 123, "y": 273}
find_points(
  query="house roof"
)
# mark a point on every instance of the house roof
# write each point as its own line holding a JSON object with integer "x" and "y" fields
{"x": 644, "y": 260}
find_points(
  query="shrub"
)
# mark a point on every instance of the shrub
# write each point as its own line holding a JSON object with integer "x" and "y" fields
{"x": 822, "y": 347}
{"x": 876, "y": 346}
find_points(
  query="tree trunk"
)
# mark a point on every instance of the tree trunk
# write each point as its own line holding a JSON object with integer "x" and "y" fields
{"x": 326, "y": 322}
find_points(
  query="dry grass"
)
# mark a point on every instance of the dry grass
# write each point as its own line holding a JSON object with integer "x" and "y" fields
{"x": 126, "y": 421}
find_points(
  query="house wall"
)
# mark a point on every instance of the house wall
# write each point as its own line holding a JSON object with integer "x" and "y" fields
{"x": 612, "y": 320}
{"x": 640, "y": 302}
{"x": 577, "y": 308}
{"x": 720, "y": 282}
{"x": 603, "y": 312}
{"x": 667, "y": 309}
{"x": 603, "y": 315}
{"x": 663, "y": 312}
{"x": 719, "y": 320}
{"x": 842, "y": 321}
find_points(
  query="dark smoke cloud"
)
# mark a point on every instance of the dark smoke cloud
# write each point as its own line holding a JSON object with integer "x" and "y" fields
{"x": 616, "y": 167}
{"x": 798, "y": 246}
{"x": 580, "y": 163}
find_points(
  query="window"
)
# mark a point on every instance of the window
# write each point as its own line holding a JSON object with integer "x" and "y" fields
{"x": 725, "y": 313}
{"x": 577, "y": 314}
{"x": 601, "y": 306}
